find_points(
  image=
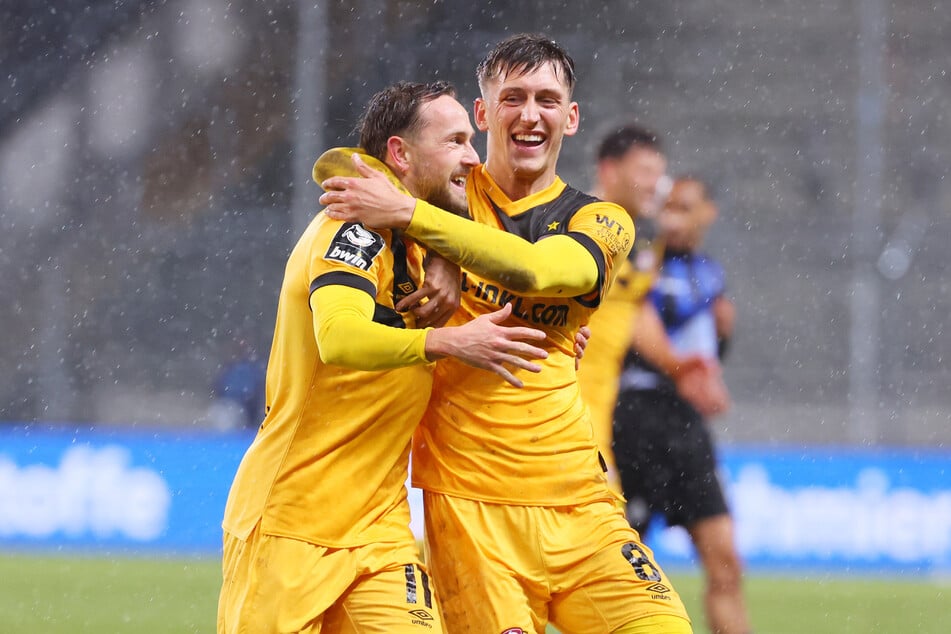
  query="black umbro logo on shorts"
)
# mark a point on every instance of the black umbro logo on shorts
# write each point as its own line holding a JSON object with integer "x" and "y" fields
{"x": 355, "y": 246}
{"x": 422, "y": 614}
{"x": 658, "y": 588}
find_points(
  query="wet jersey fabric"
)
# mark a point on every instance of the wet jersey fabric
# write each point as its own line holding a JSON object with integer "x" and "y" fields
{"x": 484, "y": 439}
{"x": 329, "y": 462}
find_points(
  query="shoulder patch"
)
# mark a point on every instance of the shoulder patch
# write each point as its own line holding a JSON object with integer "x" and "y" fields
{"x": 355, "y": 245}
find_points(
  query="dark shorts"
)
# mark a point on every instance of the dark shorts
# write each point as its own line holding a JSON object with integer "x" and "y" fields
{"x": 666, "y": 459}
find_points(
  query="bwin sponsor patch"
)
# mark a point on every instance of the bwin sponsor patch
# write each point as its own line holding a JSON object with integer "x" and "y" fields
{"x": 355, "y": 246}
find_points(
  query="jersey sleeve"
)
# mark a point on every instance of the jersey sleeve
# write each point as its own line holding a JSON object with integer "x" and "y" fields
{"x": 341, "y": 249}
{"x": 556, "y": 266}
{"x": 607, "y": 232}
{"x": 345, "y": 266}
{"x": 347, "y": 335}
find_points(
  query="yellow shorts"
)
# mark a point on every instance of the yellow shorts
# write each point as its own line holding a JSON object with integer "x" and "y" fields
{"x": 514, "y": 569}
{"x": 277, "y": 584}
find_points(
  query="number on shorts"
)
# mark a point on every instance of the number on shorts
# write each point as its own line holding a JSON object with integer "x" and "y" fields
{"x": 644, "y": 568}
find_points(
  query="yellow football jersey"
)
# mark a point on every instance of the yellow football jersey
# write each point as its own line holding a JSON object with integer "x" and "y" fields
{"x": 610, "y": 340}
{"x": 329, "y": 463}
{"x": 484, "y": 439}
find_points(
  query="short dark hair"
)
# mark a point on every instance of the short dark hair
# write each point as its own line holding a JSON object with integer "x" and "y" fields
{"x": 524, "y": 53}
{"x": 394, "y": 111}
{"x": 620, "y": 139}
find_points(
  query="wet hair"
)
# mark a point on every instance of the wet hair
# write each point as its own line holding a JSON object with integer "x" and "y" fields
{"x": 619, "y": 140}
{"x": 394, "y": 111}
{"x": 524, "y": 53}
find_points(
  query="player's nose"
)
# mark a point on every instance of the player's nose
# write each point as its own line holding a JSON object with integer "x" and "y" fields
{"x": 470, "y": 158}
{"x": 529, "y": 112}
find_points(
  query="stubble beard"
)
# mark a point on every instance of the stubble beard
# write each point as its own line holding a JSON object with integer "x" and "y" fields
{"x": 443, "y": 198}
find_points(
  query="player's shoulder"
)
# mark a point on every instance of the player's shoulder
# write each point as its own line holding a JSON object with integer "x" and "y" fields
{"x": 608, "y": 223}
{"x": 608, "y": 213}
{"x": 576, "y": 197}
{"x": 579, "y": 199}
{"x": 345, "y": 243}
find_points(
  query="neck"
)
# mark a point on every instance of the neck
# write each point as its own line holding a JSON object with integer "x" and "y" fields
{"x": 517, "y": 185}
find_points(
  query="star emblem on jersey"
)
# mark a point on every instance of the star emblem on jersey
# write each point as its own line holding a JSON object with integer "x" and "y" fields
{"x": 552, "y": 226}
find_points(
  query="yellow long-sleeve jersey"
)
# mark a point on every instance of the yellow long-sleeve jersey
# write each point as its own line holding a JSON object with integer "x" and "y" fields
{"x": 482, "y": 438}
{"x": 347, "y": 383}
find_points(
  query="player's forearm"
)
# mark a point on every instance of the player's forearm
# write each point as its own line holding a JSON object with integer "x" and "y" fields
{"x": 347, "y": 335}
{"x": 555, "y": 266}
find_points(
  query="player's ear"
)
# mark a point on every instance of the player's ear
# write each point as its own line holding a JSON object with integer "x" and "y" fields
{"x": 399, "y": 152}
{"x": 480, "y": 115}
{"x": 574, "y": 119}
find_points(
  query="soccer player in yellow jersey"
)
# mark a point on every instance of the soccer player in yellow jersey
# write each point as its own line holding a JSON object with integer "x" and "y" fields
{"x": 316, "y": 526}
{"x": 521, "y": 527}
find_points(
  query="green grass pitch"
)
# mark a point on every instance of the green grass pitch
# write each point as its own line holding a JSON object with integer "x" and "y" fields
{"x": 144, "y": 596}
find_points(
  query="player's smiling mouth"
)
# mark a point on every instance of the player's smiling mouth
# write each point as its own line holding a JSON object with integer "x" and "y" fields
{"x": 528, "y": 139}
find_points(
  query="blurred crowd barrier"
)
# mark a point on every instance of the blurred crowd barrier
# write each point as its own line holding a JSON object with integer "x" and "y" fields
{"x": 108, "y": 493}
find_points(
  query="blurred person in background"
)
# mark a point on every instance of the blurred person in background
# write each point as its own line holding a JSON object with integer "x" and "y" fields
{"x": 521, "y": 527}
{"x": 238, "y": 390}
{"x": 316, "y": 526}
{"x": 664, "y": 448}
{"x": 630, "y": 171}
{"x": 630, "y": 165}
